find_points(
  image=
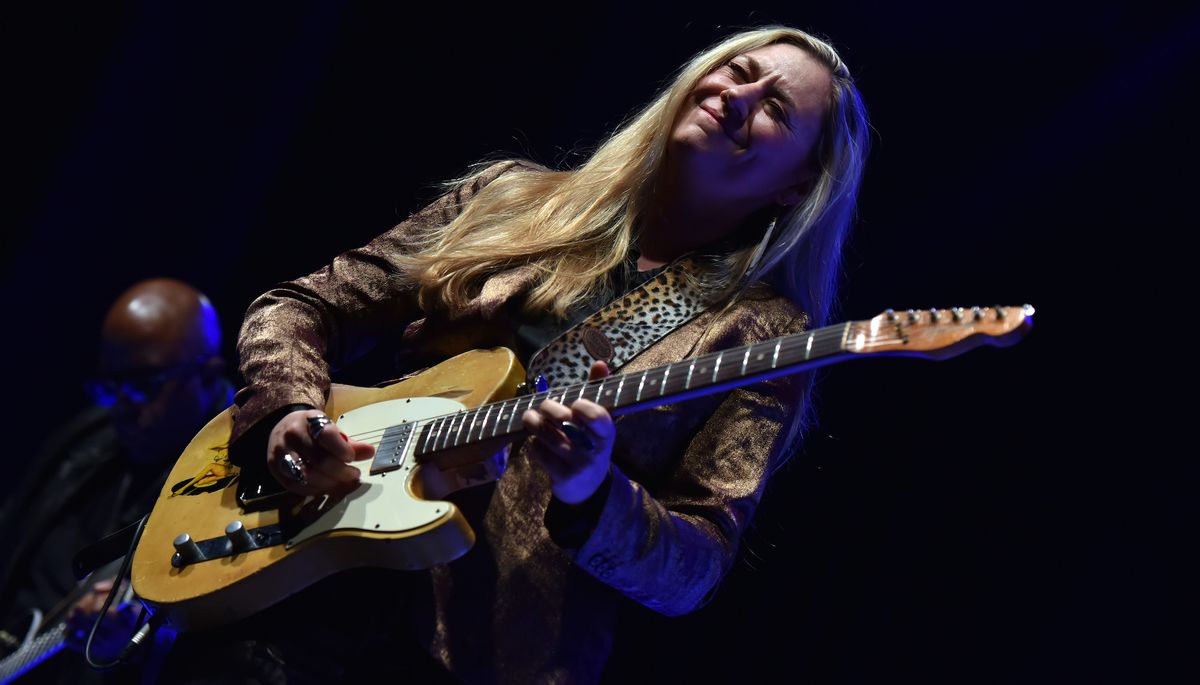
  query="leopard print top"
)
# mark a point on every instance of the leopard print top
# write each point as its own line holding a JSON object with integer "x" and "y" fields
{"x": 619, "y": 331}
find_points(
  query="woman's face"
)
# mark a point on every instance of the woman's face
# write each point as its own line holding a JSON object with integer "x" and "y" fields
{"x": 747, "y": 131}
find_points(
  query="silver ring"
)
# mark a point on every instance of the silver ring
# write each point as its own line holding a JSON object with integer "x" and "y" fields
{"x": 577, "y": 436}
{"x": 293, "y": 467}
{"x": 316, "y": 424}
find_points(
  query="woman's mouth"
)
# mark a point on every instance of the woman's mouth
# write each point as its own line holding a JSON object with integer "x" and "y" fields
{"x": 722, "y": 121}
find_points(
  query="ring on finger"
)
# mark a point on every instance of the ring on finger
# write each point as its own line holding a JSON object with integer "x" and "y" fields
{"x": 293, "y": 468}
{"x": 578, "y": 437}
{"x": 316, "y": 424}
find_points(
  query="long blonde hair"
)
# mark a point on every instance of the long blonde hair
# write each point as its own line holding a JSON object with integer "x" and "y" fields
{"x": 575, "y": 227}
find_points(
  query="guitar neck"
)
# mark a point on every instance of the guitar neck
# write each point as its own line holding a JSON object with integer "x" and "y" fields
{"x": 935, "y": 334}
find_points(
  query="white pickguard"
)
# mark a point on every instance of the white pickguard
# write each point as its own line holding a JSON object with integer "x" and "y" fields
{"x": 382, "y": 503}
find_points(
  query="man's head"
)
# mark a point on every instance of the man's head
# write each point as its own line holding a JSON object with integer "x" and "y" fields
{"x": 159, "y": 356}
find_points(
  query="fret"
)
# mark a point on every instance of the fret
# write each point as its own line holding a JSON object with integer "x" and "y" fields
{"x": 599, "y": 391}
{"x": 448, "y": 431}
{"x": 745, "y": 358}
{"x": 437, "y": 430}
{"x": 717, "y": 367}
{"x": 426, "y": 436}
{"x": 662, "y": 389}
{"x": 641, "y": 384}
{"x": 688, "y": 383}
{"x": 582, "y": 389}
{"x": 517, "y": 411}
{"x": 515, "y": 414}
{"x": 408, "y": 440}
{"x": 511, "y": 413}
{"x": 458, "y": 435}
{"x": 808, "y": 347}
{"x": 620, "y": 385}
{"x": 462, "y": 421}
{"x": 474, "y": 418}
{"x": 496, "y": 421}
{"x": 528, "y": 406}
{"x": 775, "y": 357}
{"x": 486, "y": 416}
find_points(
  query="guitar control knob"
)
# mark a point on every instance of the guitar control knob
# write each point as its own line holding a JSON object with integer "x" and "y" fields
{"x": 239, "y": 537}
{"x": 186, "y": 551}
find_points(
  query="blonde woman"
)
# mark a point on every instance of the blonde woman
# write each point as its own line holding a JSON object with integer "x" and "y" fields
{"x": 748, "y": 165}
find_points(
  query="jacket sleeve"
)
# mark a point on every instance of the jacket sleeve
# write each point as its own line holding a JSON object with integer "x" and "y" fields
{"x": 667, "y": 545}
{"x": 293, "y": 334}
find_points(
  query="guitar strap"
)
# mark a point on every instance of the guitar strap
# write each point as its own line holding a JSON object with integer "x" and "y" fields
{"x": 622, "y": 329}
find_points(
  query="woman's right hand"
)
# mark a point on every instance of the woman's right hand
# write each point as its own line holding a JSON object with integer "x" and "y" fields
{"x": 310, "y": 456}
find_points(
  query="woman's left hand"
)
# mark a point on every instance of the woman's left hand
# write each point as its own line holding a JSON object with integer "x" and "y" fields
{"x": 577, "y": 466}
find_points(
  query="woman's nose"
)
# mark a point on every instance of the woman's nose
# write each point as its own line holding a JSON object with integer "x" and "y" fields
{"x": 739, "y": 100}
{"x": 736, "y": 106}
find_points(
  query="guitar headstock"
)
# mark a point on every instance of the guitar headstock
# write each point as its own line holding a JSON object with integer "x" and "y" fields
{"x": 940, "y": 333}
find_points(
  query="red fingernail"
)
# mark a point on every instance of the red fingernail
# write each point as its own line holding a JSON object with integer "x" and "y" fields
{"x": 344, "y": 436}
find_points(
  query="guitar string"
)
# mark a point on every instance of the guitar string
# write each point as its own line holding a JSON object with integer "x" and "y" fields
{"x": 789, "y": 344}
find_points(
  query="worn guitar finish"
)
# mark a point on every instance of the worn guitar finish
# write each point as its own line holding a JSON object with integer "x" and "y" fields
{"x": 439, "y": 432}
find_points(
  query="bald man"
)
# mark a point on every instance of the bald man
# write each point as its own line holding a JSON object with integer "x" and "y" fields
{"x": 159, "y": 353}
{"x": 162, "y": 379}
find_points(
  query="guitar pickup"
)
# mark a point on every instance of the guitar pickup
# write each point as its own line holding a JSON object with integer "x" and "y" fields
{"x": 390, "y": 453}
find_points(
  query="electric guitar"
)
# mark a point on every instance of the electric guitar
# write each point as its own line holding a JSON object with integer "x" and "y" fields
{"x": 204, "y": 560}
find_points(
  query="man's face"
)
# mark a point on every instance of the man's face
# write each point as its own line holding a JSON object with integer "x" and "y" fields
{"x": 159, "y": 396}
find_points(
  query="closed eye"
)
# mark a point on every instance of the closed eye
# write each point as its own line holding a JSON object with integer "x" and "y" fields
{"x": 738, "y": 71}
{"x": 777, "y": 111}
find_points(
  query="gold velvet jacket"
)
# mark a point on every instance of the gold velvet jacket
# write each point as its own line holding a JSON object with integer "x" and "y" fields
{"x": 684, "y": 484}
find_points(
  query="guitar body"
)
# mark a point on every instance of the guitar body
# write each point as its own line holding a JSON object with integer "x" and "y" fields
{"x": 390, "y": 520}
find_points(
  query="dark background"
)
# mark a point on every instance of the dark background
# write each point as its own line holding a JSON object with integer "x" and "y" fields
{"x": 1006, "y": 516}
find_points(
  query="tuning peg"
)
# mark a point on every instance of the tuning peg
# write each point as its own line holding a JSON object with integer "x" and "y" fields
{"x": 956, "y": 314}
{"x": 912, "y": 316}
{"x": 999, "y": 312}
{"x": 891, "y": 314}
{"x": 934, "y": 315}
{"x": 977, "y": 313}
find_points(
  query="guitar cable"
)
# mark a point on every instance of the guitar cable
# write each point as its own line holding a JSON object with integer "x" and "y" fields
{"x": 143, "y": 631}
